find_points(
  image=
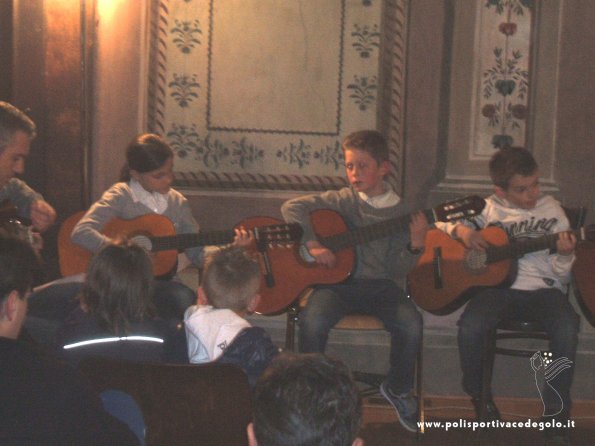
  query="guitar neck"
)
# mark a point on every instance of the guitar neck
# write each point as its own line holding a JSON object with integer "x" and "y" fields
{"x": 520, "y": 248}
{"x": 190, "y": 240}
{"x": 372, "y": 232}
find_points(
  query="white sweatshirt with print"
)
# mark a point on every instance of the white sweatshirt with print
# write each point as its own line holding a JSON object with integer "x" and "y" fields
{"x": 539, "y": 269}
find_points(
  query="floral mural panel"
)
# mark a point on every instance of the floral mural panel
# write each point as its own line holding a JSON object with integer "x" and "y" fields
{"x": 258, "y": 94}
{"x": 502, "y": 76}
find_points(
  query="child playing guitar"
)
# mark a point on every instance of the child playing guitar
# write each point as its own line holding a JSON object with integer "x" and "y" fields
{"x": 145, "y": 188}
{"x": 539, "y": 291}
{"x": 381, "y": 265}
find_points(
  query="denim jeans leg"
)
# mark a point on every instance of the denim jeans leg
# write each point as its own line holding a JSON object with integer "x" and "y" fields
{"x": 561, "y": 323}
{"x": 481, "y": 315}
{"x": 324, "y": 309}
{"x": 405, "y": 326}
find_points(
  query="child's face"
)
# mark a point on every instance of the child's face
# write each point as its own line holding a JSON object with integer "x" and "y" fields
{"x": 522, "y": 191}
{"x": 364, "y": 173}
{"x": 158, "y": 180}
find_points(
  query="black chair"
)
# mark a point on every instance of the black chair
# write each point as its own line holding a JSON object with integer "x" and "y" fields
{"x": 371, "y": 381}
{"x": 189, "y": 404}
{"x": 516, "y": 329}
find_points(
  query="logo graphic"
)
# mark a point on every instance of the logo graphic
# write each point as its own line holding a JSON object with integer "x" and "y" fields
{"x": 544, "y": 365}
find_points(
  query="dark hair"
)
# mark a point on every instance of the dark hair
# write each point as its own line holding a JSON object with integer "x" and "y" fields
{"x": 20, "y": 267}
{"x": 119, "y": 286}
{"x": 145, "y": 153}
{"x": 12, "y": 120}
{"x": 369, "y": 141}
{"x": 510, "y": 161}
{"x": 231, "y": 278}
{"x": 306, "y": 400}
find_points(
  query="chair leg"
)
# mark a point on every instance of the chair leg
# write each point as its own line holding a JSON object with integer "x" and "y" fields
{"x": 419, "y": 377}
{"x": 292, "y": 319}
{"x": 487, "y": 366}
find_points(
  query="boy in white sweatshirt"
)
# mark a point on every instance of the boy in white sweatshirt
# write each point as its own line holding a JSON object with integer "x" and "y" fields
{"x": 539, "y": 290}
{"x": 216, "y": 328}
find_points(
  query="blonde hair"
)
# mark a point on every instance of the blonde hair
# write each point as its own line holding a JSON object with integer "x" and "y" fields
{"x": 231, "y": 278}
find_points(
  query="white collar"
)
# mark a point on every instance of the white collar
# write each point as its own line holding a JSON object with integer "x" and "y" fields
{"x": 153, "y": 200}
{"x": 384, "y": 200}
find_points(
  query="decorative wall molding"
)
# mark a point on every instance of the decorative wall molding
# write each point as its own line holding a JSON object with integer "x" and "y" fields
{"x": 209, "y": 78}
{"x": 507, "y": 96}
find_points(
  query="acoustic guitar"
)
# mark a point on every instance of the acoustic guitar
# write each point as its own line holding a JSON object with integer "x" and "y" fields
{"x": 290, "y": 271}
{"x": 583, "y": 272}
{"x": 447, "y": 272}
{"x": 157, "y": 235}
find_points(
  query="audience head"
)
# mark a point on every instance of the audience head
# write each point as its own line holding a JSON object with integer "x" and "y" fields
{"x": 370, "y": 141}
{"x": 16, "y": 133}
{"x": 306, "y": 400}
{"x": 119, "y": 286}
{"x": 12, "y": 120}
{"x": 149, "y": 160}
{"x": 231, "y": 279}
{"x": 19, "y": 270}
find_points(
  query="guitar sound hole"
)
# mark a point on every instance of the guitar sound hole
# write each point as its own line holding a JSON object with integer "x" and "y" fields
{"x": 475, "y": 261}
{"x": 142, "y": 241}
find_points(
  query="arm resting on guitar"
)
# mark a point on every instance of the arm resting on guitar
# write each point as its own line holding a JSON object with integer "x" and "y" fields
{"x": 298, "y": 210}
{"x": 86, "y": 232}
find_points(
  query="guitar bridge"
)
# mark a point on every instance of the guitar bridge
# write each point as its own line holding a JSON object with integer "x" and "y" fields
{"x": 437, "y": 264}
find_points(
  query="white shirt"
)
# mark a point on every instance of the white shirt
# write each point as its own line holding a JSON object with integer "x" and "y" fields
{"x": 387, "y": 199}
{"x": 153, "y": 200}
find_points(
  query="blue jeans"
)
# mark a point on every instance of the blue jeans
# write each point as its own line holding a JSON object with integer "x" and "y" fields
{"x": 490, "y": 305}
{"x": 380, "y": 298}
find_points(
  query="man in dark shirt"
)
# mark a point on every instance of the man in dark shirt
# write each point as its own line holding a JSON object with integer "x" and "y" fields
{"x": 42, "y": 401}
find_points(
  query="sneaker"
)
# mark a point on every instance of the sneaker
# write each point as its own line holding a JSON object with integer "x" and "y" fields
{"x": 405, "y": 405}
{"x": 491, "y": 411}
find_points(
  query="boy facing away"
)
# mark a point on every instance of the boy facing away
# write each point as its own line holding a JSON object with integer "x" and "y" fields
{"x": 539, "y": 290}
{"x": 373, "y": 287}
{"x": 216, "y": 327}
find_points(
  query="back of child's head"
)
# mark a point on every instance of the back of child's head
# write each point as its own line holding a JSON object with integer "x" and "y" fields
{"x": 145, "y": 153}
{"x": 510, "y": 161}
{"x": 369, "y": 141}
{"x": 306, "y": 399}
{"x": 119, "y": 286}
{"x": 231, "y": 278}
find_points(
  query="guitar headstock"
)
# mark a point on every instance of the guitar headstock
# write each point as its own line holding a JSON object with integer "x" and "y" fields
{"x": 587, "y": 233}
{"x": 281, "y": 234}
{"x": 466, "y": 207}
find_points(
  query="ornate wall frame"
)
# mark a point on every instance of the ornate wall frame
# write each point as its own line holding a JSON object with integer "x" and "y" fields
{"x": 238, "y": 163}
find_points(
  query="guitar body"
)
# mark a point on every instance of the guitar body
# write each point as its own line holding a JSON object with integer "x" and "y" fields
{"x": 75, "y": 260}
{"x": 292, "y": 274}
{"x": 285, "y": 272}
{"x": 583, "y": 271}
{"x": 456, "y": 276}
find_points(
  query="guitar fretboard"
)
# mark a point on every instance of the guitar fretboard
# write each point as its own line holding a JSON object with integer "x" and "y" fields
{"x": 517, "y": 249}
{"x": 372, "y": 232}
{"x": 185, "y": 241}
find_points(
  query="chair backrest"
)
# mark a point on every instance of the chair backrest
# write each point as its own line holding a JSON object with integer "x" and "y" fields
{"x": 207, "y": 404}
{"x": 584, "y": 266}
{"x": 576, "y": 216}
